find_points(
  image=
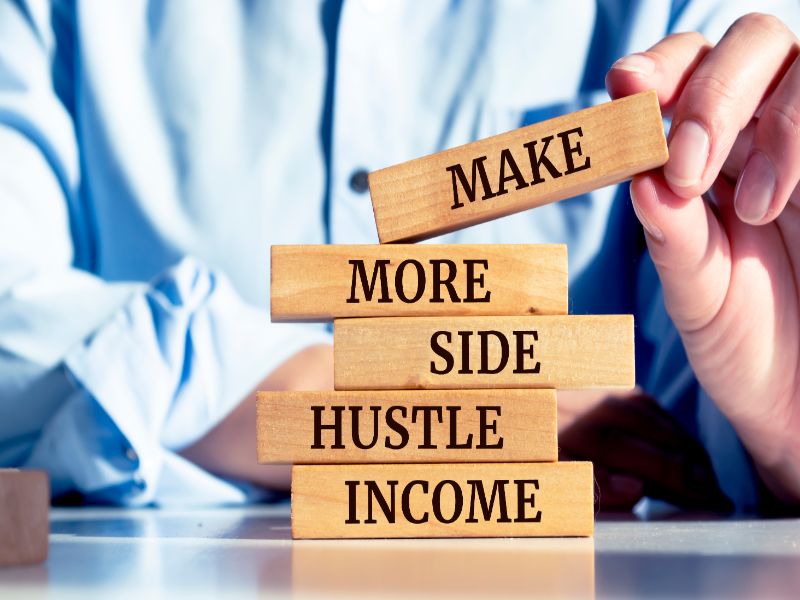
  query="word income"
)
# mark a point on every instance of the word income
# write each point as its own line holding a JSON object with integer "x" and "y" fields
{"x": 446, "y": 500}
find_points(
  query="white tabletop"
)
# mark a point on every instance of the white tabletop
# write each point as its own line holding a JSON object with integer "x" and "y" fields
{"x": 110, "y": 553}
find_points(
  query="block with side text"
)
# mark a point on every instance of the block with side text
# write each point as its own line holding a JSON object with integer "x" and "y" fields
{"x": 528, "y": 167}
{"x": 24, "y": 512}
{"x": 443, "y": 500}
{"x": 407, "y": 426}
{"x": 563, "y": 352}
{"x": 317, "y": 283}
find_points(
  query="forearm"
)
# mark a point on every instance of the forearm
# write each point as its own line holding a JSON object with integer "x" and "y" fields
{"x": 228, "y": 449}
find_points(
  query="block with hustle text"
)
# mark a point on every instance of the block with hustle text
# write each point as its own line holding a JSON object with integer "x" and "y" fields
{"x": 407, "y": 426}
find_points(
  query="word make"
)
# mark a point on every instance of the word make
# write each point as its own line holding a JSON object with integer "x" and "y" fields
{"x": 511, "y": 173}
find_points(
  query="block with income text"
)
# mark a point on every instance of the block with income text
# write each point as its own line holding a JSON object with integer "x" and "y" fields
{"x": 24, "y": 510}
{"x": 531, "y": 166}
{"x": 563, "y": 352}
{"x": 407, "y": 426}
{"x": 443, "y": 500}
{"x": 317, "y": 283}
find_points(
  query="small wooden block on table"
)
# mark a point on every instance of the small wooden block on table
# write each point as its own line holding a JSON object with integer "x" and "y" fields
{"x": 407, "y": 426}
{"x": 443, "y": 500}
{"x": 531, "y": 166}
{"x": 24, "y": 510}
{"x": 562, "y": 352}
{"x": 318, "y": 283}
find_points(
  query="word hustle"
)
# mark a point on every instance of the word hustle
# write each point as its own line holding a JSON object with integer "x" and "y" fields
{"x": 538, "y": 157}
{"x": 394, "y": 427}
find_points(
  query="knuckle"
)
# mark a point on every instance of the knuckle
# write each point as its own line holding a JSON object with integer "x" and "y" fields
{"x": 693, "y": 37}
{"x": 666, "y": 54}
{"x": 769, "y": 24}
{"x": 712, "y": 99}
{"x": 782, "y": 119}
{"x": 616, "y": 403}
{"x": 710, "y": 88}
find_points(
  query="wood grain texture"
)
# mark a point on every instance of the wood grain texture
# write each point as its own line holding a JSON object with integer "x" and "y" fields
{"x": 513, "y": 426}
{"x": 314, "y": 283}
{"x": 573, "y": 352}
{"x": 413, "y": 201}
{"x": 24, "y": 511}
{"x": 555, "y": 499}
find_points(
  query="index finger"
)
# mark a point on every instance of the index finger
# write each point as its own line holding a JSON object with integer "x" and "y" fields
{"x": 664, "y": 67}
{"x": 721, "y": 97}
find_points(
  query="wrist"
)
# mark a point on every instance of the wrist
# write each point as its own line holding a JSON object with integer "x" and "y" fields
{"x": 776, "y": 455}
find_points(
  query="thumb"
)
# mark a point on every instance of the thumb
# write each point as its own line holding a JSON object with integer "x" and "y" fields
{"x": 689, "y": 248}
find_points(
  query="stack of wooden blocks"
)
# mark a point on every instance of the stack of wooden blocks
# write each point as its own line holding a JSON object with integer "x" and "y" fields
{"x": 447, "y": 358}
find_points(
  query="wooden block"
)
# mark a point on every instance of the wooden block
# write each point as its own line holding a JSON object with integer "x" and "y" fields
{"x": 443, "y": 500}
{"x": 564, "y": 352}
{"x": 407, "y": 426}
{"x": 317, "y": 283}
{"x": 483, "y": 568}
{"x": 24, "y": 509}
{"x": 507, "y": 173}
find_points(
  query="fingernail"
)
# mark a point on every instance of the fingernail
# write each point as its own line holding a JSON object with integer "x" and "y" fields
{"x": 654, "y": 232}
{"x": 636, "y": 63}
{"x": 755, "y": 189}
{"x": 688, "y": 154}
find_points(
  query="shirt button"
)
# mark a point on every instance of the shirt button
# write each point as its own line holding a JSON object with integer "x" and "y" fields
{"x": 359, "y": 182}
{"x": 131, "y": 455}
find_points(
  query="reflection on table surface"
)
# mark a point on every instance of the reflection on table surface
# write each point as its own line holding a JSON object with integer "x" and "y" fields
{"x": 248, "y": 553}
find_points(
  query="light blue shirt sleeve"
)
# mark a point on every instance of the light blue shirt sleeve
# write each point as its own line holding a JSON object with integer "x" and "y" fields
{"x": 102, "y": 383}
{"x": 152, "y": 152}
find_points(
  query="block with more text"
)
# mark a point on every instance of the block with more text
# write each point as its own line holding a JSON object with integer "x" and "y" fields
{"x": 323, "y": 282}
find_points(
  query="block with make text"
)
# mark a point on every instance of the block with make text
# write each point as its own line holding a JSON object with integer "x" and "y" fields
{"x": 524, "y": 168}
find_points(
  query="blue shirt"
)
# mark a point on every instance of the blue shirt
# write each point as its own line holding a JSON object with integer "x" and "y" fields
{"x": 153, "y": 151}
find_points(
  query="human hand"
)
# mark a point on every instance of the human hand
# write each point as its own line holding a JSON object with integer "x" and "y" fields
{"x": 730, "y": 263}
{"x": 639, "y": 450}
{"x": 229, "y": 448}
